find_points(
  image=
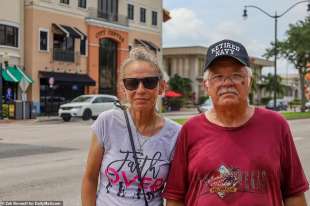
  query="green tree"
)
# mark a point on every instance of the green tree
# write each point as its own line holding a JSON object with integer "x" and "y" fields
{"x": 181, "y": 85}
{"x": 268, "y": 84}
{"x": 254, "y": 86}
{"x": 296, "y": 49}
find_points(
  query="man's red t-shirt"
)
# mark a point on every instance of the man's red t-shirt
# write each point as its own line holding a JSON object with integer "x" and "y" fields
{"x": 255, "y": 164}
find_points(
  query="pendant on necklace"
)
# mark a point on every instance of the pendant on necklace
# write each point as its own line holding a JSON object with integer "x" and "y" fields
{"x": 140, "y": 150}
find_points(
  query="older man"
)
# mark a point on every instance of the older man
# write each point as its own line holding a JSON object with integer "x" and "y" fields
{"x": 235, "y": 154}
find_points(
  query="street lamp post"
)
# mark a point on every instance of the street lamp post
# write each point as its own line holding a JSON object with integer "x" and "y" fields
{"x": 275, "y": 17}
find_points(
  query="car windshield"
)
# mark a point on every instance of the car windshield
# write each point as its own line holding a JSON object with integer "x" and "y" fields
{"x": 82, "y": 99}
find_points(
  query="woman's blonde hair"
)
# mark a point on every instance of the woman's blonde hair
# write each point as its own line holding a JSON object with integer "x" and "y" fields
{"x": 141, "y": 54}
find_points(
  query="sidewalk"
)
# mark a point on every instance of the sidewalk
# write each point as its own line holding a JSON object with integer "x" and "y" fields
{"x": 183, "y": 113}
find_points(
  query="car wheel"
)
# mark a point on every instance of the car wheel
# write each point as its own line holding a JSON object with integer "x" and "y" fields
{"x": 94, "y": 117}
{"x": 66, "y": 118}
{"x": 86, "y": 114}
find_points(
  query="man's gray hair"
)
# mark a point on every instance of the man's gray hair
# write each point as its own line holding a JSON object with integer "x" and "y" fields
{"x": 207, "y": 73}
{"x": 141, "y": 54}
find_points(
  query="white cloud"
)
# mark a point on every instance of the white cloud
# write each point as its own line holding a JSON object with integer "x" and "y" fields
{"x": 186, "y": 28}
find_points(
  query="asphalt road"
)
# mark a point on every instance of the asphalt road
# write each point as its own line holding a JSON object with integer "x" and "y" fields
{"x": 45, "y": 161}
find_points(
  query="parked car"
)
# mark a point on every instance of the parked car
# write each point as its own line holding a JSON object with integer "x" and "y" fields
{"x": 86, "y": 106}
{"x": 206, "y": 106}
{"x": 280, "y": 105}
{"x": 308, "y": 105}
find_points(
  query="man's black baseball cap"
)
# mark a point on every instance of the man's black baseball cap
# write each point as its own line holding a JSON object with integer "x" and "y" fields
{"x": 227, "y": 48}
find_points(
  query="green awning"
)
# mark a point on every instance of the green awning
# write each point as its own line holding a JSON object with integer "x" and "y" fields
{"x": 24, "y": 75}
{"x": 15, "y": 74}
{"x": 7, "y": 76}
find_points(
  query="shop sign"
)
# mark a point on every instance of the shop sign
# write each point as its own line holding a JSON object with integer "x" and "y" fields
{"x": 109, "y": 33}
{"x": 23, "y": 84}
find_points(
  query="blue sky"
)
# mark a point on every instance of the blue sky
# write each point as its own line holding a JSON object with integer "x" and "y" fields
{"x": 202, "y": 22}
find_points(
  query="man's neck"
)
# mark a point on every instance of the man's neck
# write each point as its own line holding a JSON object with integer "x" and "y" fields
{"x": 230, "y": 117}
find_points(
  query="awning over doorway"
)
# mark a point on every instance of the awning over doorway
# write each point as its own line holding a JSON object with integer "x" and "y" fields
{"x": 67, "y": 77}
{"x": 83, "y": 35}
{"x": 15, "y": 74}
{"x": 70, "y": 31}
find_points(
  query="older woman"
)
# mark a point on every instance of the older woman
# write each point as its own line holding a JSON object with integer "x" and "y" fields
{"x": 111, "y": 154}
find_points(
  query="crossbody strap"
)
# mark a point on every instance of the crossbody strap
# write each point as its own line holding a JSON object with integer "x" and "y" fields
{"x": 134, "y": 152}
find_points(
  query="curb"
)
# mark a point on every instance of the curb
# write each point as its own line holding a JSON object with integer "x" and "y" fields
{"x": 48, "y": 119}
{"x": 7, "y": 121}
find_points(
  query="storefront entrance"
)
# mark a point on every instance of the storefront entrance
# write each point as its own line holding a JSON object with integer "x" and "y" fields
{"x": 65, "y": 88}
{"x": 107, "y": 66}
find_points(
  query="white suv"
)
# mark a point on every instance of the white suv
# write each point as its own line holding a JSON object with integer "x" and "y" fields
{"x": 86, "y": 106}
{"x": 308, "y": 105}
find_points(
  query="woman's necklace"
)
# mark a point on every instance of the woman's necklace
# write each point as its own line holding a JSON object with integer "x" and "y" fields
{"x": 142, "y": 140}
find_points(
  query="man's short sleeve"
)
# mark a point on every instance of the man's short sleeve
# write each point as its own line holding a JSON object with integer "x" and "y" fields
{"x": 293, "y": 179}
{"x": 176, "y": 186}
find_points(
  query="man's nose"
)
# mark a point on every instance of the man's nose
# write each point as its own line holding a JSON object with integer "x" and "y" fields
{"x": 227, "y": 81}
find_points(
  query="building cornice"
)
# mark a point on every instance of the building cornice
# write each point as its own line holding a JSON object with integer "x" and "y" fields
{"x": 65, "y": 12}
{"x": 95, "y": 22}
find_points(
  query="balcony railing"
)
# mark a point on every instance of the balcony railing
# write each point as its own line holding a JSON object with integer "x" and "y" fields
{"x": 100, "y": 15}
{"x": 63, "y": 55}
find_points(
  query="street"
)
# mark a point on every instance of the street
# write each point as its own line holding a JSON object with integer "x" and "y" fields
{"x": 45, "y": 160}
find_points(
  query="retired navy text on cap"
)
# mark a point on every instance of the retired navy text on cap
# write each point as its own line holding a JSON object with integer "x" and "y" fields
{"x": 227, "y": 48}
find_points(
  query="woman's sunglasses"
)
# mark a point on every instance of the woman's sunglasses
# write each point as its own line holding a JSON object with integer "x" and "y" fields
{"x": 148, "y": 83}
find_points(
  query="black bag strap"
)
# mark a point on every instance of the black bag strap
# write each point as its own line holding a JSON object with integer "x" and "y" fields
{"x": 134, "y": 152}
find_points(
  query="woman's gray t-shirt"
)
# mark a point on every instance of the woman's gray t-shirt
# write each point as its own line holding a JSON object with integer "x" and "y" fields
{"x": 119, "y": 184}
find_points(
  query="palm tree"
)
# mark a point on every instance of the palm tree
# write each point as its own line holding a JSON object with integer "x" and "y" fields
{"x": 268, "y": 85}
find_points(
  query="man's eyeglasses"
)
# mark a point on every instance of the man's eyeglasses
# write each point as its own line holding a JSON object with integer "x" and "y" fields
{"x": 235, "y": 78}
{"x": 148, "y": 82}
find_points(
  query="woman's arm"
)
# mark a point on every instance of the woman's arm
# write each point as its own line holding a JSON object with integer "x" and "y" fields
{"x": 91, "y": 175}
{"x": 174, "y": 203}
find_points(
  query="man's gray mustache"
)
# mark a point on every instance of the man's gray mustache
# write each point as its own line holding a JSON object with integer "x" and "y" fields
{"x": 229, "y": 90}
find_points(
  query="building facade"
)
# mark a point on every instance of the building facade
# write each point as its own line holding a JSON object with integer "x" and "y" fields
{"x": 11, "y": 32}
{"x": 292, "y": 86}
{"x": 11, "y": 47}
{"x": 189, "y": 62}
{"x": 56, "y": 53}
{"x": 74, "y": 47}
{"x": 108, "y": 30}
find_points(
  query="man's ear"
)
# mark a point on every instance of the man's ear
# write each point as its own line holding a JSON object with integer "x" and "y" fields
{"x": 250, "y": 82}
{"x": 205, "y": 86}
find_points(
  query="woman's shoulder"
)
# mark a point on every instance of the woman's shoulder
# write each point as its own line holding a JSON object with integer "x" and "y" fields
{"x": 171, "y": 126}
{"x": 110, "y": 117}
{"x": 111, "y": 113}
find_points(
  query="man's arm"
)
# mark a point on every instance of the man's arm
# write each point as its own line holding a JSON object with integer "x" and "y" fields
{"x": 174, "y": 203}
{"x": 298, "y": 200}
